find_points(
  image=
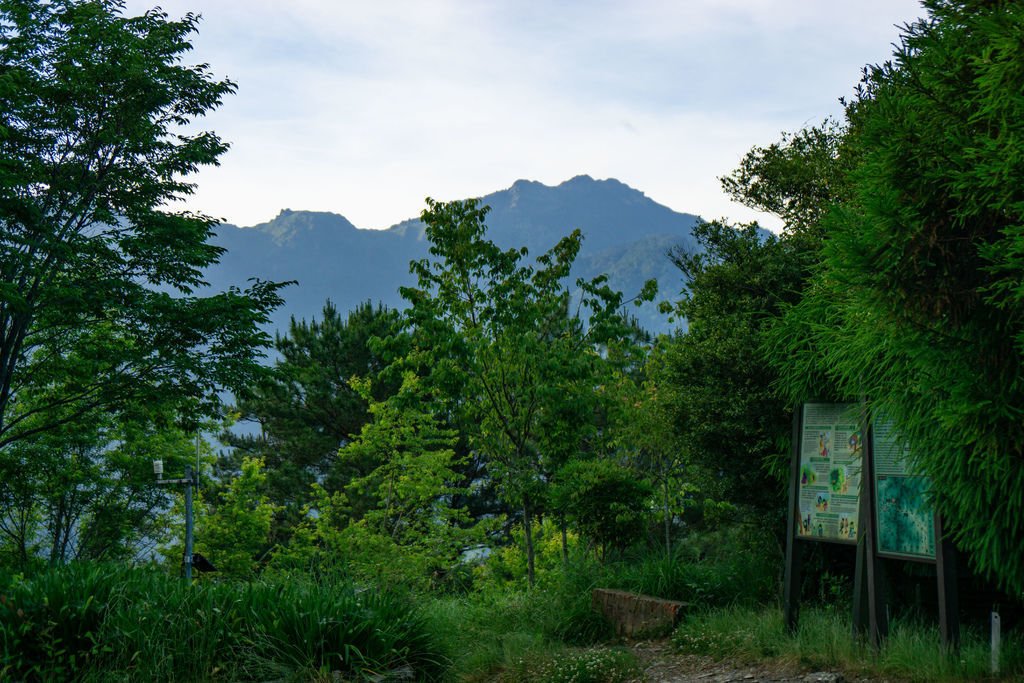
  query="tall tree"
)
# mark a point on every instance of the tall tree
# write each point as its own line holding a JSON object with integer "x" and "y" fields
{"x": 918, "y": 303}
{"x": 649, "y": 438}
{"x": 714, "y": 382}
{"x": 307, "y": 407}
{"x": 85, "y": 490}
{"x": 97, "y": 277}
{"x": 501, "y": 343}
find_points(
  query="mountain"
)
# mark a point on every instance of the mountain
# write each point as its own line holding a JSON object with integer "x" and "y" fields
{"x": 626, "y": 235}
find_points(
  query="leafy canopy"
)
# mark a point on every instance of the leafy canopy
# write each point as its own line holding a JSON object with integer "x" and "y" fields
{"x": 500, "y": 345}
{"x": 306, "y": 406}
{"x": 918, "y": 302}
{"x": 97, "y": 276}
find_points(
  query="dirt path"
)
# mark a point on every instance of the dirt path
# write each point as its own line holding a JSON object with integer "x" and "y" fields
{"x": 661, "y": 665}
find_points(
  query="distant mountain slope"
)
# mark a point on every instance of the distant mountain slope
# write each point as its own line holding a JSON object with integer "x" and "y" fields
{"x": 626, "y": 235}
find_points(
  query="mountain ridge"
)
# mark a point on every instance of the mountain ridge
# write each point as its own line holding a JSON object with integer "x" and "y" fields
{"x": 626, "y": 235}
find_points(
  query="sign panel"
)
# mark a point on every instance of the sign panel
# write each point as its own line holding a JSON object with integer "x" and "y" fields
{"x": 906, "y": 522}
{"x": 831, "y": 445}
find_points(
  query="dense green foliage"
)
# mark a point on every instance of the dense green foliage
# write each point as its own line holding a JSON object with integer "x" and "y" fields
{"x": 417, "y": 454}
{"x": 97, "y": 279}
{"x": 732, "y": 565}
{"x": 502, "y": 349}
{"x": 714, "y": 383}
{"x": 307, "y": 408}
{"x": 89, "y": 621}
{"x": 604, "y": 501}
{"x": 917, "y": 303}
{"x": 85, "y": 492}
{"x": 106, "y": 350}
{"x": 399, "y": 523}
{"x": 235, "y": 534}
{"x": 714, "y": 379}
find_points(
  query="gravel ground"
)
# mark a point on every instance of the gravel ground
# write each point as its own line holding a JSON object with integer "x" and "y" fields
{"x": 661, "y": 665}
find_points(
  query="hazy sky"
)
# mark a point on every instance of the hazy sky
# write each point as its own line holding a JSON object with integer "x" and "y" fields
{"x": 365, "y": 107}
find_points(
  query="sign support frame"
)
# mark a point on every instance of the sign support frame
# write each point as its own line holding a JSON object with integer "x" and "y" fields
{"x": 870, "y": 606}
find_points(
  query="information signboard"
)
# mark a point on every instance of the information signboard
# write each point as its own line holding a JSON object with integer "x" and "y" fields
{"x": 828, "y": 473}
{"x": 905, "y": 521}
{"x": 831, "y": 446}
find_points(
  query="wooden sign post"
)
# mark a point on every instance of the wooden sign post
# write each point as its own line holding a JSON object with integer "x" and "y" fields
{"x": 851, "y": 483}
{"x": 824, "y": 488}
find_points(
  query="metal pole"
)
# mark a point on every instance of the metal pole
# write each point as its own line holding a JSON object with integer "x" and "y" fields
{"x": 949, "y": 599}
{"x": 189, "y": 481}
{"x": 996, "y": 633}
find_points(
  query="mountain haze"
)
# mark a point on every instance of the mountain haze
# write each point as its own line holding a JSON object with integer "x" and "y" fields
{"x": 626, "y": 235}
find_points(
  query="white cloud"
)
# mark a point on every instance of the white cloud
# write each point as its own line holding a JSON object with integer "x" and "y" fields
{"x": 366, "y": 108}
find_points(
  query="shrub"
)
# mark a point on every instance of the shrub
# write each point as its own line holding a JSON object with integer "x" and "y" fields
{"x": 737, "y": 565}
{"x": 49, "y": 625}
{"x": 95, "y": 621}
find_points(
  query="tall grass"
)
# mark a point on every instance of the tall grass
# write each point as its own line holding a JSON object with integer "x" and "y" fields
{"x": 91, "y": 622}
{"x": 493, "y": 630}
{"x": 740, "y": 565}
{"x": 824, "y": 641}
{"x": 497, "y": 628}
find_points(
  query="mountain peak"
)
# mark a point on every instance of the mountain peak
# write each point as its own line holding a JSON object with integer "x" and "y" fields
{"x": 289, "y": 226}
{"x": 626, "y": 236}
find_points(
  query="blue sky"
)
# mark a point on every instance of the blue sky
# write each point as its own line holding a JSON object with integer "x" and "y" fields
{"x": 365, "y": 108}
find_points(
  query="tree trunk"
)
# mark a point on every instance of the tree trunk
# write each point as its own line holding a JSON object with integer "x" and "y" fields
{"x": 528, "y": 532}
{"x": 668, "y": 537}
{"x": 57, "y": 532}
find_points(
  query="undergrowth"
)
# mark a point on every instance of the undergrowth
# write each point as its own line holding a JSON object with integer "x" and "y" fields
{"x": 94, "y": 622}
{"x": 740, "y": 565}
{"x": 824, "y": 641}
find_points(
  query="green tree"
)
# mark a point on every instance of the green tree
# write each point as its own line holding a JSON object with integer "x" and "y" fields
{"x": 85, "y": 490}
{"x": 400, "y": 523}
{"x": 918, "y": 303}
{"x": 98, "y": 279}
{"x": 500, "y": 343}
{"x": 797, "y": 179}
{"x": 307, "y": 408}
{"x": 650, "y": 442}
{"x": 714, "y": 382}
{"x": 605, "y": 501}
{"x": 235, "y": 534}
{"x": 413, "y": 484}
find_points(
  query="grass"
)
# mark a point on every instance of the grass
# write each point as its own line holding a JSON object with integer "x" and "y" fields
{"x": 102, "y": 622}
{"x": 503, "y": 629}
{"x": 492, "y": 632}
{"x": 912, "y": 651}
{"x": 96, "y": 623}
{"x": 589, "y": 665}
{"x": 712, "y": 569}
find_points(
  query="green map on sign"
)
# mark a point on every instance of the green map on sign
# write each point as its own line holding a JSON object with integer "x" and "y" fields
{"x": 906, "y": 523}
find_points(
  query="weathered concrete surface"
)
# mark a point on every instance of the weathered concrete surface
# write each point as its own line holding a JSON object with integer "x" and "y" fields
{"x": 635, "y": 615}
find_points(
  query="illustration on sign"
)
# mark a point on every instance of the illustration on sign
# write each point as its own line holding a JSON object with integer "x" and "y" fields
{"x": 906, "y": 522}
{"x": 830, "y": 465}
